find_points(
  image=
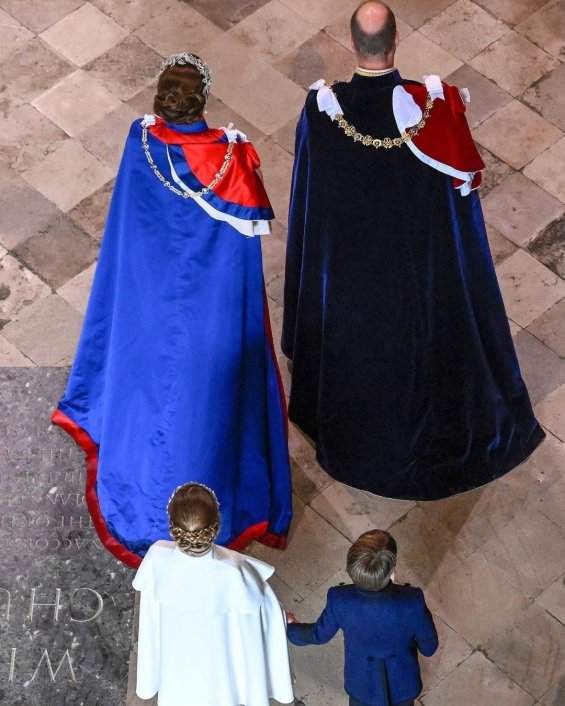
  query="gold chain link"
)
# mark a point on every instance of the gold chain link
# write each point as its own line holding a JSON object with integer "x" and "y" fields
{"x": 386, "y": 142}
{"x": 219, "y": 174}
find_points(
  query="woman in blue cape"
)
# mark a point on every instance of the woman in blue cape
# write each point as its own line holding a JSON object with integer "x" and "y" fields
{"x": 175, "y": 377}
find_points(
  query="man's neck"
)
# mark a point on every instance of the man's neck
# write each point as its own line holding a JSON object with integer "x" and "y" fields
{"x": 375, "y": 63}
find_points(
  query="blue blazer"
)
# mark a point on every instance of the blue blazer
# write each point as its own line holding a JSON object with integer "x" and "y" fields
{"x": 383, "y": 631}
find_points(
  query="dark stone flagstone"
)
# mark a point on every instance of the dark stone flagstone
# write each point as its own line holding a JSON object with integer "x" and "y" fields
{"x": 66, "y": 604}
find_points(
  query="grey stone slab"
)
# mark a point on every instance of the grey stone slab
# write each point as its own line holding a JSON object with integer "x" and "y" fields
{"x": 549, "y": 246}
{"x": 65, "y": 603}
{"x": 550, "y": 328}
{"x": 542, "y": 369}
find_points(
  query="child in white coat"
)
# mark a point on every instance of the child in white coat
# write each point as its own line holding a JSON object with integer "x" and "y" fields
{"x": 211, "y": 630}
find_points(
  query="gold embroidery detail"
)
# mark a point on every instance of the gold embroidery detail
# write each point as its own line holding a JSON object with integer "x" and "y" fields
{"x": 219, "y": 174}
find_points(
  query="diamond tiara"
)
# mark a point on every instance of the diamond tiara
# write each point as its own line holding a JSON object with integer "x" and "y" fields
{"x": 185, "y": 59}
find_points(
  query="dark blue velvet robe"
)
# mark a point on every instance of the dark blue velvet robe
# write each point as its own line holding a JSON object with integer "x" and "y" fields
{"x": 404, "y": 370}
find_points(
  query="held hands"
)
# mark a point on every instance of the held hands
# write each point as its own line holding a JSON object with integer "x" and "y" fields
{"x": 290, "y": 617}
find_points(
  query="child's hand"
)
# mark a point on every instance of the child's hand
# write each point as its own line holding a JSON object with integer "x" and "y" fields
{"x": 290, "y": 617}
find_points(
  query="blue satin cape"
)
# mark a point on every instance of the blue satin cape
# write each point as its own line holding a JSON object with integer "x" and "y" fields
{"x": 174, "y": 379}
{"x": 404, "y": 371}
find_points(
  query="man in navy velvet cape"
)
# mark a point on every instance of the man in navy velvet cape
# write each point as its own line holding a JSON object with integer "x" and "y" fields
{"x": 404, "y": 371}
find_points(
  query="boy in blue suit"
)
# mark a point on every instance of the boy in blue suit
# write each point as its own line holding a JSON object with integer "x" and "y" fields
{"x": 384, "y": 625}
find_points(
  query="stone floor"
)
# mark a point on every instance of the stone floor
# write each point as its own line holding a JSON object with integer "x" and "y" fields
{"x": 73, "y": 76}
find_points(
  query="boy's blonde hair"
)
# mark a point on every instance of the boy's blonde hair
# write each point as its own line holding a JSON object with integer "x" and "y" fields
{"x": 194, "y": 517}
{"x": 371, "y": 560}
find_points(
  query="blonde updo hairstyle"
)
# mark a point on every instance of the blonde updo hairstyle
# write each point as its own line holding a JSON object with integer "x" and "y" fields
{"x": 194, "y": 518}
{"x": 180, "y": 94}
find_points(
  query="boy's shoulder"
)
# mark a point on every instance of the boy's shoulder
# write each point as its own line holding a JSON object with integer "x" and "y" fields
{"x": 393, "y": 591}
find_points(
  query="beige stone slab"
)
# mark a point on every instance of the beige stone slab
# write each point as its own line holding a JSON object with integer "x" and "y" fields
{"x": 19, "y": 288}
{"x": 37, "y": 68}
{"x": 476, "y": 600}
{"x": 269, "y": 101}
{"x": 131, "y": 14}
{"x": 545, "y": 28}
{"x": 76, "y": 103}
{"x": 514, "y": 328}
{"x": 321, "y": 13}
{"x": 550, "y": 328}
{"x": 178, "y": 28}
{"x": 531, "y": 651}
{"x": 8, "y": 20}
{"x": 314, "y": 666}
{"x": 274, "y": 30}
{"x": 494, "y": 173}
{"x": 426, "y": 548}
{"x": 276, "y": 317}
{"x": 340, "y": 29}
{"x": 84, "y": 34}
{"x": 511, "y": 11}
{"x": 452, "y": 651}
{"x": 276, "y": 166}
{"x": 319, "y": 57}
{"x": 275, "y": 289}
{"x": 528, "y": 288}
{"x": 126, "y": 68}
{"x": 464, "y": 29}
{"x": 308, "y": 478}
{"x": 90, "y": 214}
{"x": 553, "y": 599}
{"x": 516, "y": 134}
{"x": 218, "y": 114}
{"x": 12, "y": 357}
{"x": 288, "y": 598}
{"x": 46, "y": 331}
{"x": 552, "y": 503}
{"x": 105, "y": 139}
{"x": 534, "y": 478}
{"x": 547, "y": 170}
{"x": 353, "y": 512}
{"x": 37, "y": 16}
{"x": 27, "y": 136}
{"x": 17, "y": 197}
{"x": 12, "y": 37}
{"x": 555, "y": 696}
{"x": 315, "y": 552}
{"x": 516, "y": 551}
{"x": 77, "y": 290}
{"x": 418, "y": 56}
{"x": 416, "y": 13}
{"x": 551, "y": 412}
{"x": 486, "y": 96}
{"x": 547, "y": 97}
{"x": 68, "y": 175}
{"x": 477, "y": 682}
{"x": 286, "y": 135}
{"x": 500, "y": 247}
{"x": 520, "y": 210}
{"x": 273, "y": 247}
{"x": 476, "y": 516}
{"x": 330, "y": 693}
{"x": 514, "y": 63}
{"x": 228, "y": 58}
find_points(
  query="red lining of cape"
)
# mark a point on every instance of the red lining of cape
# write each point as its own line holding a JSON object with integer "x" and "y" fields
{"x": 81, "y": 437}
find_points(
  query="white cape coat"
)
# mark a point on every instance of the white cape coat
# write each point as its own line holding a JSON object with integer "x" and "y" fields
{"x": 211, "y": 630}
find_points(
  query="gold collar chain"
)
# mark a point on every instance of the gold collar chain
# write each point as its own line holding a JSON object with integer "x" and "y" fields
{"x": 219, "y": 174}
{"x": 373, "y": 73}
{"x": 386, "y": 142}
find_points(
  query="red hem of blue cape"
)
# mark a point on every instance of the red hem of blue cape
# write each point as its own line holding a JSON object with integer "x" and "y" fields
{"x": 81, "y": 437}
